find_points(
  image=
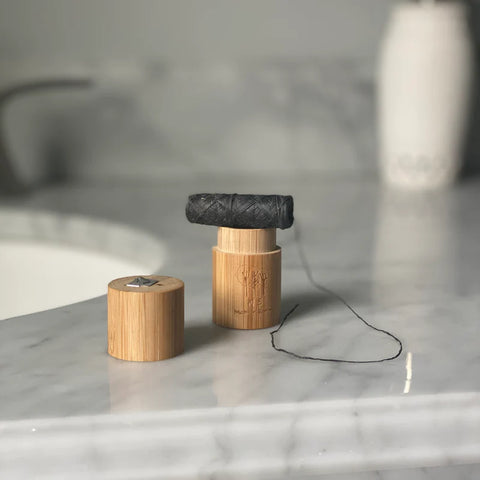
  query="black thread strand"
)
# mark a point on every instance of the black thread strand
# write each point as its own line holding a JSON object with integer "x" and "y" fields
{"x": 321, "y": 288}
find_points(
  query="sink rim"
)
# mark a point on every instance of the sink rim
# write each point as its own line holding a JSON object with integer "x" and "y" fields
{"x": 82, "y": 234}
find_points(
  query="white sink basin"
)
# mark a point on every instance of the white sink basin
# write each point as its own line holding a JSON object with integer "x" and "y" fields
{"x": 49, "y": 260}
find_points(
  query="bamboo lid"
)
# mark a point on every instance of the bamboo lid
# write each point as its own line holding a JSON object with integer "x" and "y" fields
{"x": 145, "y": 318}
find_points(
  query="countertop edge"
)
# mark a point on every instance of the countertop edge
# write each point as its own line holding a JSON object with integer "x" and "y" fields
{"x": 284, "y": 439}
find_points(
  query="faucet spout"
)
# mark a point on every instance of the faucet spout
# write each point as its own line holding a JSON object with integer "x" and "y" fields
{"x": 10, "y": 181}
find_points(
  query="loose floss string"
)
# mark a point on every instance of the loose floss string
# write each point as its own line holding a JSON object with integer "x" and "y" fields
{"x": 263, "y": 212}
{"x": 322, "y": 289}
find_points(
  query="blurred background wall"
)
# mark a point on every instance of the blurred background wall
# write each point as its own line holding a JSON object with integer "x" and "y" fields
{"x": 193, "y": 87}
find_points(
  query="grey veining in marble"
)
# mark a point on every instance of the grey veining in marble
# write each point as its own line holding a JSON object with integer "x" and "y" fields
{"x": 409, "y": 264}
{"x": 198, "y": 119}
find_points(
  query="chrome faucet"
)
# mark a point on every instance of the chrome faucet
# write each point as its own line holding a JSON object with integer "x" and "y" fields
{"x": 10, "y": 181}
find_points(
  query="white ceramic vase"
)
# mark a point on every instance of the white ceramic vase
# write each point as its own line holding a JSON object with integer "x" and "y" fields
{"x": 424, "y": 86}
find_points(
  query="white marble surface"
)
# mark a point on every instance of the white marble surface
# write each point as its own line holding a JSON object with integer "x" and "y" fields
{"x": 231, "y": 406}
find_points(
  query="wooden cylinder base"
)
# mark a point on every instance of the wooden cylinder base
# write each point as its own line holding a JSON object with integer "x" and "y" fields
{"x": 145, "y": 323}
{"x": 246, "y": 279}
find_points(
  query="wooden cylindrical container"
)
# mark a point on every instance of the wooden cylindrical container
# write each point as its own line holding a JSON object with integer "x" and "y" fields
{"x": 145, "y": 322}
{"x": 246, "y": 278}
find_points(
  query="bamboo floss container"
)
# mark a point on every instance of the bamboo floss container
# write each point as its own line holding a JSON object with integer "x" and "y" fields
{"x": 246, "y": 278}
{"x": 145, "y": 318}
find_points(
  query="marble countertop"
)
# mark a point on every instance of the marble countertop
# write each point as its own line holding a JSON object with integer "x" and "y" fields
{"x": 231, "y": 406}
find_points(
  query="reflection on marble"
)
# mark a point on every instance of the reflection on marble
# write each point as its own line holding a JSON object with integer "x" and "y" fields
{"x": 415, "y": 246}
{"x": 232, "y": 407}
